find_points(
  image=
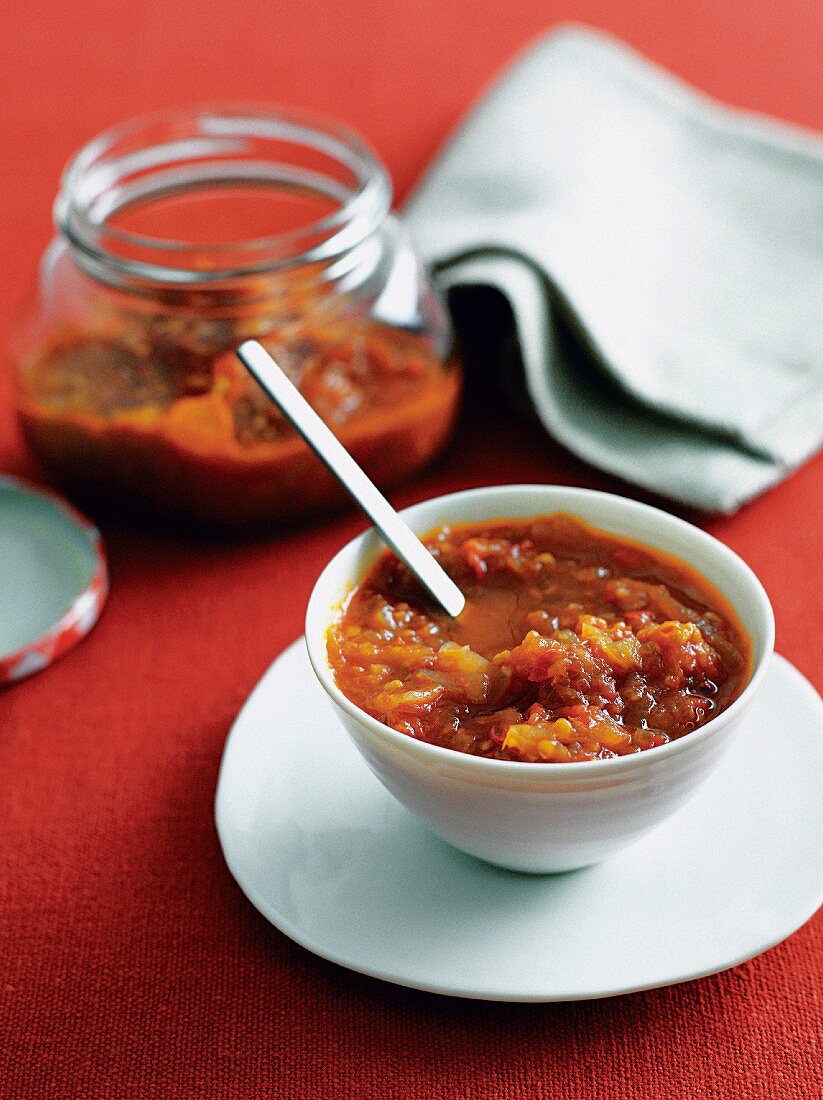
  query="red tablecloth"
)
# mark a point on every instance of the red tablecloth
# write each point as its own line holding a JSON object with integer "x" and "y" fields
{"x": 130, "y": 963}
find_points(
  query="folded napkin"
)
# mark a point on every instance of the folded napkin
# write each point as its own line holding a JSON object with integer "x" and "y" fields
{"x": 663, "y": 259}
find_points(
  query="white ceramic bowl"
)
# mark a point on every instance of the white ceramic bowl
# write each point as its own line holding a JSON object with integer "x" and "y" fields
{"x": 545, "y": 817}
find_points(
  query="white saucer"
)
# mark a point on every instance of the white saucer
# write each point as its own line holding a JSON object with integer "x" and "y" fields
{"x": 331, "y": 859}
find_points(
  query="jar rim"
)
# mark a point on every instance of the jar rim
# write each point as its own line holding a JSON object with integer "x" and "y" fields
{"x": 171, "y": 150}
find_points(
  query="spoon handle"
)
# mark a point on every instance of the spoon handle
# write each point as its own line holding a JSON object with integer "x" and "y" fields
{"x": 331, "y": 451}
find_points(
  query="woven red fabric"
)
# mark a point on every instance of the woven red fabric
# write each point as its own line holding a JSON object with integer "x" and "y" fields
{"x": 130, "y": 963}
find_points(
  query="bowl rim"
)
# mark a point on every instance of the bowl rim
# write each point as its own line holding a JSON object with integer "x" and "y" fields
{"x": 480, "y": 765}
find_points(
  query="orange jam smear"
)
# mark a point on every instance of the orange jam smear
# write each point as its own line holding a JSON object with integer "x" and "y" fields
{"x": 159, "y": 406}
{"x": 574, "y": 645}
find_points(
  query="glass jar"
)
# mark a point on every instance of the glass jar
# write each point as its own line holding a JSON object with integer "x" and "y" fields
{"x": 180, "y": 236}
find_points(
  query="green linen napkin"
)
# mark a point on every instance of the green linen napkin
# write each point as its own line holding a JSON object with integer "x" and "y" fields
{"x": 663, "y": 259}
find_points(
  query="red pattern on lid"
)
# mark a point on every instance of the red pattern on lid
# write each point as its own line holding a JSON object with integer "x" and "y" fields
{"x": 85, "y": 608}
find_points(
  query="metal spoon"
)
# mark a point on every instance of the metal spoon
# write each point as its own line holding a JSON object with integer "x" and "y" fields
{"x": 330, "y": 450}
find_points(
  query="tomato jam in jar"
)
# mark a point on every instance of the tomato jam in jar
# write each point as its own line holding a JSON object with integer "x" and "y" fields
{"x": 182, "y": 235}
